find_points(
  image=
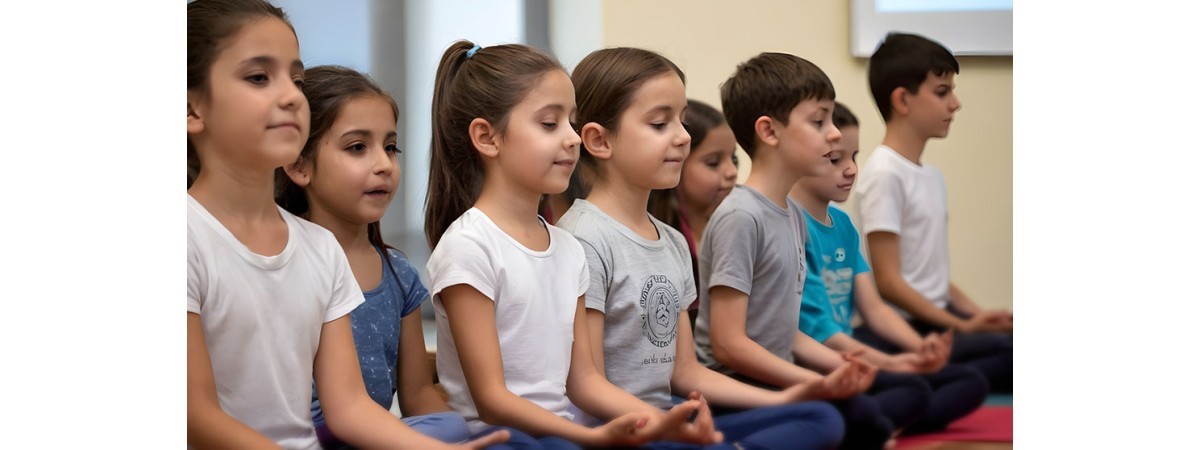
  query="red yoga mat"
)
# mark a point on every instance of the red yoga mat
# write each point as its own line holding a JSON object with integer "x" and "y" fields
{"x": 986, "y": 424}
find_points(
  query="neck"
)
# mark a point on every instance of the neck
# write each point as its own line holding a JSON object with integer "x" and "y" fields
{"x": 771, "y": 178}
{"x": 815, "y": 207}
{"x": 228, "y": 192}
{"x": 508, "y": 203}
{"x": 905, "y": 141}
{"x": 351, "y": 236}
{"x": 621, "y": 201}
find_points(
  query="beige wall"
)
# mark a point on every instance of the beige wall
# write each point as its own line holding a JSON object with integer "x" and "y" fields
{"x": 708, "y": 38}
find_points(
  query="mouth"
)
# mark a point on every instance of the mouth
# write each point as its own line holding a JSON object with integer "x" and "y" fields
{"x": 285, "y": 125}
{"x": 845, "y": 187}
{"x": 567, "y": 163}
{"x": 673, "y": 160}
{"x": 378, "y": 192}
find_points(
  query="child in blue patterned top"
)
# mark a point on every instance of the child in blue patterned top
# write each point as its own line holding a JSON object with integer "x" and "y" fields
{"x": 344, "y": 180}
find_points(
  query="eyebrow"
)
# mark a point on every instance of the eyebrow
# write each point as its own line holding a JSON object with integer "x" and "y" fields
{"x": 656, "y": 109}
{"x": 264, "y": 60}
{"x": 366, "y": 134}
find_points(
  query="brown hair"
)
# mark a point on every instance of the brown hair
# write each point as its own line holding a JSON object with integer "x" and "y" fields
{"x": 485, "y": 84}
{"x": 770, "y": 84}
{"x": 328, "y": 89}
{"x": 605, "y": 81}
{"x": 209, "y": 25}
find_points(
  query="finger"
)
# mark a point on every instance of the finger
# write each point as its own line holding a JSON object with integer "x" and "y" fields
{"x": 679, "y": 414}
{"x": 489, "y": 439}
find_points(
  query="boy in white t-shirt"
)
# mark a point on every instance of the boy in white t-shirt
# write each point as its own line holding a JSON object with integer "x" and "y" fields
{"x": 902, "y": 203}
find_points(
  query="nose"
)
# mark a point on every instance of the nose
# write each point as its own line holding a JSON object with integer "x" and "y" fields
{"x": 835, "y": 134}
{"x": 292, "y": 96}
{"x": 573, "y": 139}
{"x": 955, "y": 105}
{"x": 683, "y": 139}
{"x": 729, "y": 170}
{"x": 851, "y": 169}
{"x": 383, "y": 162}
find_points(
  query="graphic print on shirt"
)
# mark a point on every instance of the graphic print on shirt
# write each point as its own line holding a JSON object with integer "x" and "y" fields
{"x": 839, "y": 284}
{"x": 660, "y": 310}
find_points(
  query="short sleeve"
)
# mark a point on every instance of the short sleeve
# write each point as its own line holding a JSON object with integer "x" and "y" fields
{"x": 600, "y": 277}
{"x": 460, "y": 258}
{"x": 346, "y": 294}
{"x": 881, "y": 202}
{"x": 196, "y": 280}
{"x": 411, "y": 289}
{"x": 730, "y": 239}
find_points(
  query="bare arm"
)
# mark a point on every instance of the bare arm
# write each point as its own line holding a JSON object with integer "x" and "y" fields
{"x": 814, "y": 354}
{"x": 885, "y": 256}
{"x": 414, "y": 385}
{"x": 689, "y": 376}
{"x": 472, "y": 319}
{"x": 587, "y": 385}
{"x": 208, "y": 425}
{"x": 350, "y": 413}
{"x": 880, "y": 317}
{"x": 734, "y": 349}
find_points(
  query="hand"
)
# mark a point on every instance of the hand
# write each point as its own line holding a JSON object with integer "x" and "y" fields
{"x": 485, "y": 441}
{"x": 839, "y": 384}
{"x": 626, "y": 430}
{"x": 866, "y": 371}
{"x": 702, "y": 430}
{"x": 989, "y": 321}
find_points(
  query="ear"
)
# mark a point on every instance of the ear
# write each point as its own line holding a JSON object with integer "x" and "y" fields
{"x": 764, "y": 128}
{"x": 484, "y": 137}
{"x": 195, "y": 123}
{"x": 595, "y": 139}
{"x": 899, "y": 99}
{"x": 300, "y": 172}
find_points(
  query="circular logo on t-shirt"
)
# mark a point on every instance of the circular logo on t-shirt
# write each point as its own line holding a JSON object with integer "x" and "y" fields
{"x": 660, "y": 310}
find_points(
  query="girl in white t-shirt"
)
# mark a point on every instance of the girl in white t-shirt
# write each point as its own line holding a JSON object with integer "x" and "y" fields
{"x": 268, "y": 293}
{"x": 508, "y": 289}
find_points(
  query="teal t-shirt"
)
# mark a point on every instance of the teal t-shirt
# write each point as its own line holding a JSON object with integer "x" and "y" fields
{"x": 834, "y": 258}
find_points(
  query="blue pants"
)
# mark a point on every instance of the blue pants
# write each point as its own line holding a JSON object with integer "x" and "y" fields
{"x": 807, "y": 425}
{"x": 446, "y": 426}
{"x": 989, "y": 353}
{"x": 518, "y": 440}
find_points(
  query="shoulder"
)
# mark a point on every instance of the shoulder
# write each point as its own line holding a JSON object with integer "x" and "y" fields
{"x": 839, "y": 216}
{"x": 673, "y": 236}
{"x": 400, "y": 263}
{"x": 313, "y": 236}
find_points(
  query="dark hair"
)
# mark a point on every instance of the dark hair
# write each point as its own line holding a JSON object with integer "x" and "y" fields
{"x": 770, "y": 84}
{"x": 485, "y": 85}
{"x": 699, "y": 119}
{"x": 209, "y": 24}
{"x": 605, "y": 81}
{"x": 904, "y": 60}
{"x": 328, "y": 89}
{"x": 842, "y": 117}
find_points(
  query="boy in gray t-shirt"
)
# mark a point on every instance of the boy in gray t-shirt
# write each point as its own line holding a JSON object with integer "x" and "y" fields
{"x": 752, "y": 268}
{"x": 755, "y": 247}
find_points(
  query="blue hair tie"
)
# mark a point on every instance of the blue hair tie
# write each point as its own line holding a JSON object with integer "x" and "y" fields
{"x": 472, "y": 51}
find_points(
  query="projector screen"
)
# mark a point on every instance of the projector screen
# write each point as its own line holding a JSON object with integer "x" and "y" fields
{"x": 966, "y": 27}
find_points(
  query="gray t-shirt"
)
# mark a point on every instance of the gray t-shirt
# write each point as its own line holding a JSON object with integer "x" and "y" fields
{"x": 641, "y": 286}
{"x": 756, "y": 247}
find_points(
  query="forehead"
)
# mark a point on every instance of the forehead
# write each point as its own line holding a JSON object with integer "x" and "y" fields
{"x": 813, "y": 106}
{"x": 267, "y": 36}
{"x": 934, "y": 80}
{"x": 664, "y": 89}
{"x": 371, "y": 111}
{"x": 552, "y": 88}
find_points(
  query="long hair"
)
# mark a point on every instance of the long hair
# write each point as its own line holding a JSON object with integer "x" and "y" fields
{"x": 486, "y": 84}
{"x": 328, "y": 89}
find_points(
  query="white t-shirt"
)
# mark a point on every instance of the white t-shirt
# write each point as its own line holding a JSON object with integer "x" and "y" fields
{"x": 897, "y": 196}
{"x": 535, "y": 295}
{"x": 262, "y": 318}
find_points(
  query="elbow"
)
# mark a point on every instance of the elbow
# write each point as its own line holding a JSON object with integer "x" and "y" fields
{"x": 724, "y": 352}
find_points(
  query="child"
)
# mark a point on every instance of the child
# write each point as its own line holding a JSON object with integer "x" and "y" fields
{"x": 507, "y": 288}
{"x": 837, "y": 274}
{"x": 752, "y": 252}
{"x": 632, "y": 103}
{"x": 709, "y": 174}
{"x": 902, "y": 203}
{"x": 344, "y": 180}
{"x": 268, "y": 293}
